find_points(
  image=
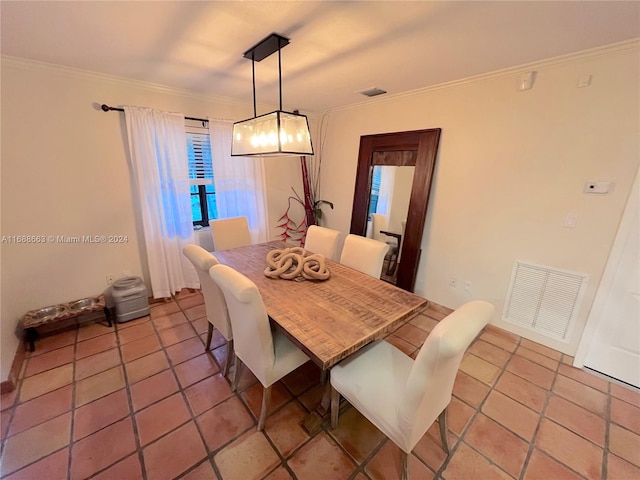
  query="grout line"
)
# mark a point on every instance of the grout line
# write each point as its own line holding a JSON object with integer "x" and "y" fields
{"x": 541, "y": 416}
{"x": 73, "y": 403}
{"x": 130, "y": 402}
{"x": 181, "y": 389}
{"x": 360, "y": 468}
{"x": 607, "y": 434}
{"x": 477, "y": 412}
{"x": 139, "y": 448}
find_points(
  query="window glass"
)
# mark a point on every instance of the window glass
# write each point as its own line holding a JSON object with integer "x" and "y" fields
{"x": 375, "y": 189}
{"x": 203, "y": 201}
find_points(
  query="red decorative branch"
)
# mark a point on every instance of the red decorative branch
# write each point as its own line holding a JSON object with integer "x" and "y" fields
{"x": 312, "y": 212}
{"x": 310, "y": 216}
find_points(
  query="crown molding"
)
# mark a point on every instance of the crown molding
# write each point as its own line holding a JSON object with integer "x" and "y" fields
{"x": 606, "y": 50}
{"x": 36, "y": 65}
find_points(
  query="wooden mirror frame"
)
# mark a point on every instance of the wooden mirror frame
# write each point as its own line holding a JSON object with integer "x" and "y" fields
{"x": 423, "y": 145}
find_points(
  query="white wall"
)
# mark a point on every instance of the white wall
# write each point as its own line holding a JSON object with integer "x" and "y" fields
{"x": 510, "y": 165}
{"x": 65, "y": 172}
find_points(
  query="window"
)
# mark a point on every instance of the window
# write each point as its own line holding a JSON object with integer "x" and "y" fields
{"x": 375, "y": 189}
{"x": 203, "y": 190}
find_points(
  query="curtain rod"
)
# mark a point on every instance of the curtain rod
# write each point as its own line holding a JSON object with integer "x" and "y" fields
{"x": 107, "y": 108}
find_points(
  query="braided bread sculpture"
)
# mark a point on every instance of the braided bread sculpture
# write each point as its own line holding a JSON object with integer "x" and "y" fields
{"x": 291, "y": 263}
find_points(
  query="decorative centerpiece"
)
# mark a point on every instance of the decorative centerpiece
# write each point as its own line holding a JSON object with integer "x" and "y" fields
{"x": 296, "y": 264}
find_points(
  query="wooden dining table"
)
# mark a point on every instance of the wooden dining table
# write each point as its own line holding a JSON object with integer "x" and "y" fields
{"x": 330, "y": 319}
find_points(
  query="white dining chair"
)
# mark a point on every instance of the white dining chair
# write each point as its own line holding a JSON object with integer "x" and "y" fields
{"x": 364, "y": 254}
{"x": 380, "y": 222}
{"x": 214, "y": 303}
{"x": 230, "y": 232}
{"x": 402, "y": 397}
{"x": 269, "y": 355}
{"x": 323, "y": 240}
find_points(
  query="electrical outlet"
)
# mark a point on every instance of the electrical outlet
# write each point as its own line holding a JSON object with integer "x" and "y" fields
{"x": 453, "y": 282}
{"x": 467, "y": 286}
{"x": 110, "y": 278}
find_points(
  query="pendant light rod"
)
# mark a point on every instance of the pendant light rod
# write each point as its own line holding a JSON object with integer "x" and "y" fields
{"x": 253, "y": 81}
{"x": 280, "y": 75}
{"x": 261, "y": 50}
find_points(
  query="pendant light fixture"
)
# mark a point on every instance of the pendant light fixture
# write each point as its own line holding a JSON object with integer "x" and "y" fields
{"x": 277, "y": 133}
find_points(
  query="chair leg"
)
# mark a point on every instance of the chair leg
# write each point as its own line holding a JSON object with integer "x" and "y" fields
{"x": 229, "y": 359}
{"x": 335, "y": 407}
{"x": 209, "y": 336}
{"x": 266, "y": 395}
{"x": 391, "y": 267}
{"x": 236, "y": 375}
{"x": 404, "y": 462}
{"x": 442, "y": 421}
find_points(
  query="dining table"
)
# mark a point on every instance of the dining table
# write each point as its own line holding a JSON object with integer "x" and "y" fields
{"x": 328, "y": 319}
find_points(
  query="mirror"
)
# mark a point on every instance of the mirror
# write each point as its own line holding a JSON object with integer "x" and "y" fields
{"x": 388, "y": 207}
{"x": 416, "y": 149}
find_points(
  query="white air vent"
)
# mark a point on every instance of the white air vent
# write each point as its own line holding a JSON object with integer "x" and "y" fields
{"x": 543, "y": 299}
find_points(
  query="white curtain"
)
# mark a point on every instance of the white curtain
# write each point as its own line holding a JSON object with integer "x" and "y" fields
{"x": 158, "y": 152}
{"x": 385, "y": 194}
{"x": 240, "y": 182}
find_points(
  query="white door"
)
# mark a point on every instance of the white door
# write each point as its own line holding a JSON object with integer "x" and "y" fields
{"x": 615, "y": 347}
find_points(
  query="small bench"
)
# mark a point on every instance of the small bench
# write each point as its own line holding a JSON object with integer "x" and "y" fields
{"x": 85, "y": 310}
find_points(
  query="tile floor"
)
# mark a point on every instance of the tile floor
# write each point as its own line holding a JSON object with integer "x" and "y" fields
{"x": 144, "y": 401}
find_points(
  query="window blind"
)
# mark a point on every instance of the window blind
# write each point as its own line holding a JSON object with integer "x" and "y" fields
{"x": 199, "y": 153}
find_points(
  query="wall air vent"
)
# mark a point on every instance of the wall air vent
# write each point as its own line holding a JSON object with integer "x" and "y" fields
{"x": 372, "y": 92}
{"x": 543, "y": 299}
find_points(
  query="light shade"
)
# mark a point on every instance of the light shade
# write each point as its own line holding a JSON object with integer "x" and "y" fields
{"x": 275, "y": 133}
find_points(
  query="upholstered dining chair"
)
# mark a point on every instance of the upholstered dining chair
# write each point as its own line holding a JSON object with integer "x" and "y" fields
{"x": 214, "y": 303}
{"x": 380, "y": 222}
{"x": 269, "y": 355}
{"x": 230, "y": 232}
{"x": 403, "y": 397}
{"x": 364, "y": 254}
{"x": 323, "y": 240}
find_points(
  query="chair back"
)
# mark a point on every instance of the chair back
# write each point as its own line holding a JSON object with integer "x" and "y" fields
{"x": 430, "y": 382}
{"x": 379, "y": 222}
{"x": 214, "y": 302}
{"x": 323, "y": 240}
{"x": 252, "y": 338}
{"x": 230, "y": 232}
{"x": 364, "y": 254}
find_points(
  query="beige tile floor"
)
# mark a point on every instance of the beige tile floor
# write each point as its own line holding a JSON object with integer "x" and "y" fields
{"x": 143, "y": 400}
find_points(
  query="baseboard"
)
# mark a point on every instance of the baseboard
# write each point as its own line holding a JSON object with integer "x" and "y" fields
{"x": 14, "y": 374}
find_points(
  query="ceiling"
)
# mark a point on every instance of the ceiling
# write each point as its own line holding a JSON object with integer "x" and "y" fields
{"x": 337, "y": 48}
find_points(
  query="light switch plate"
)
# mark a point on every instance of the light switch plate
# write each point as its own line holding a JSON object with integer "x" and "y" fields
{"x": 584, "y": 81}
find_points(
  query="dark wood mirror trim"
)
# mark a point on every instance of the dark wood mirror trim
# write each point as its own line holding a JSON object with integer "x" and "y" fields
{"x": 425, "y": 145}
